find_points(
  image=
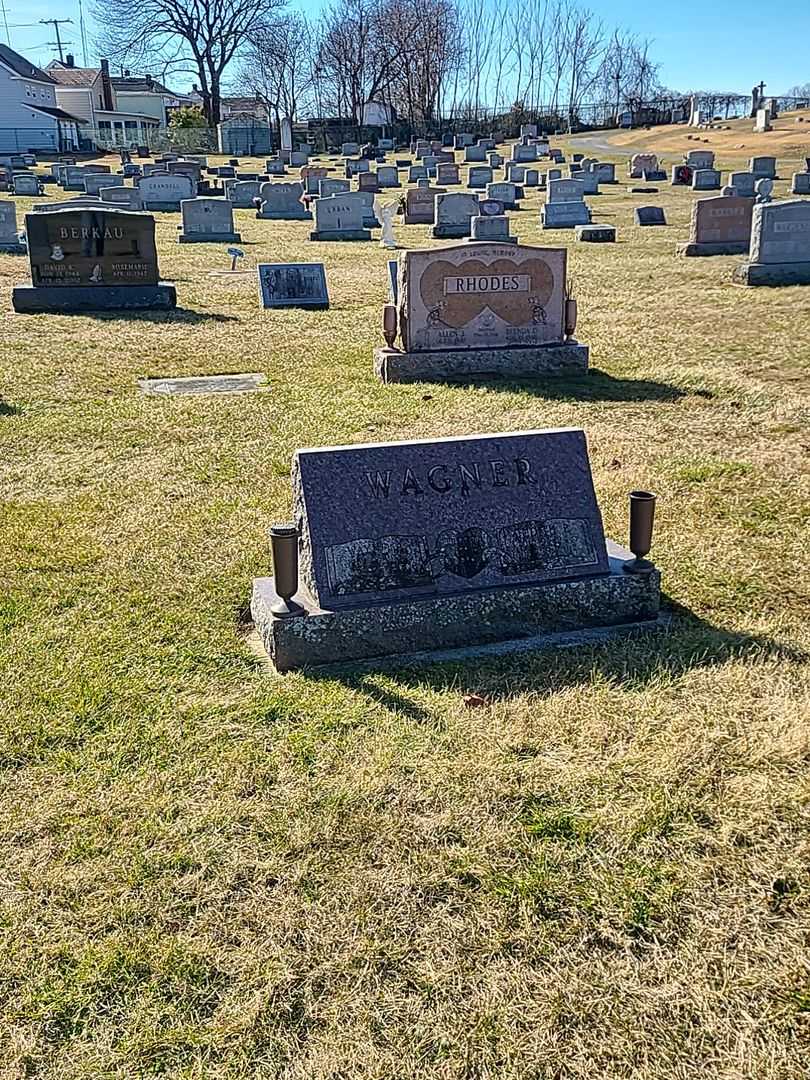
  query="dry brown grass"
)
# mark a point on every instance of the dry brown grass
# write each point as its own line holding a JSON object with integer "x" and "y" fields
{"x": 209, "y": 872}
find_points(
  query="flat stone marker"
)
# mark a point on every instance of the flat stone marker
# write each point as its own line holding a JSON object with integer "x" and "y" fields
{"x": 296, "y": 285}
{"x": 205, "y": 384}
{"x": 780, "y": 245}
{"x": 720, "y": 226}
{"x": 649, "y": 215}
{"x": 596, "y": 234}
{"x": 395, "y": 521}
{"x": 92, "y": 260}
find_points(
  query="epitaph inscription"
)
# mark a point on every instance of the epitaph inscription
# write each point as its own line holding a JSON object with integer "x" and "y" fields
{"x": 403, "y": 520}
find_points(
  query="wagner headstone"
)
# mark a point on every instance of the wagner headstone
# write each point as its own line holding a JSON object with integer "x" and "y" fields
{"x": 780, "y": 245}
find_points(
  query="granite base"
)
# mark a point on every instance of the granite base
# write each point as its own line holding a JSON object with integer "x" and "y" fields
{"x": 284, "y": 215}
{"x": 773, "y": 274}
{"x": 596, "y": 234}
{"x": 31, "y": 300}
{"x": 713, "y": 249}
{"x": 447, "y": 365}
{"x": 524, "y": 617}
{"x": 450, "y": 232}
{"x": 162, "y": 207}
{"x": 347, "y": 234}
{"x": 15, "y": 248}
{"x": 210, "y": 238}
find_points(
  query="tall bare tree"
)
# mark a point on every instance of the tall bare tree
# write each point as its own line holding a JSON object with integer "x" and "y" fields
{"x": 200, "y": 37}
{"x": 277, "y": 66}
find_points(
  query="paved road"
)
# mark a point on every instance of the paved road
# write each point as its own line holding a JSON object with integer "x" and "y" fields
{"x": 597, "y": 141}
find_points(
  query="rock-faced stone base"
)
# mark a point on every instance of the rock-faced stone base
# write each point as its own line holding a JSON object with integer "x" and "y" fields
{"x": 348, "y": 234}
{"x": 447, "y": 365}
{"x": 713, "y": 249}
{"x": 28, "y": 300}
{"x": 773, "y": 274}
{"x": 596, "y": 234}
{"x": 529, "y": 616}
{"x": 210, "y": 238}
{"x": 15, "y": 248}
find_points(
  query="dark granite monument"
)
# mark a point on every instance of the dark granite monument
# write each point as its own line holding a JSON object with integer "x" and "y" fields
{"x": 92, "y": 260}
{"x": 444, "y": 544}
{"x": 481, "y": 309}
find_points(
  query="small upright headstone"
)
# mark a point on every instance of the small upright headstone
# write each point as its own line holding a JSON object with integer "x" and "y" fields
{"x": 388, "y": 176}
{"x": 207, "y": 221}
{"x": 447, "y": 174}
{"x": 126, "y": 198}
{"x": 649, "y": 215}
{"x": 505, "y": 193}
{"x": 706, "y": 180}
{"x": 478, "y": 176}
{"x": 330, "y": 186}
{"x": 491, "y": 229}
{"x": 565, "y": 207}
{"x": 282, "y": 202}
{"x": 420, "y": 205}
{"x": 164, "y": 192}
{"x": 297, "y": 285}
{"x": 763, "y": 167}
{"x": 453, "y": 213}
{"x": 10, "y": 243}
{"x": 27, "y": 184}
{"x": 800, "y": 184}
{"x": 743, "y": 183}
{"x": 340, "y": 217}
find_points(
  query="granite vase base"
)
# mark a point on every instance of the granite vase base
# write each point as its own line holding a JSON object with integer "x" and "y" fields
{"x": 13, "y": 249}
{"x": 210, "y": 238}
{"x": 527, "y": 616}
{"x": 713, "y": 249}
{"x": 524, "y": 362}
{"x": 450, "y": 232}
{"x": 31, "y": 300}
{"x": 348, "y": 234}
{"x": 773, "y": 274}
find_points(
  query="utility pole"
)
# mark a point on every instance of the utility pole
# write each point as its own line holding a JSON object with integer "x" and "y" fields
{"x": 5, "y": 22}
{"x": 55, "y": 23}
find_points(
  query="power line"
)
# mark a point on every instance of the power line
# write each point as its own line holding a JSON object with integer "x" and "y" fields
{"x": 5, "y": 22}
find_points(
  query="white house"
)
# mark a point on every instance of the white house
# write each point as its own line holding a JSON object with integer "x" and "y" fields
{"x": 31, "y": 117}
{"x": 88, "y": 93}
{"x": 147, "y": 97}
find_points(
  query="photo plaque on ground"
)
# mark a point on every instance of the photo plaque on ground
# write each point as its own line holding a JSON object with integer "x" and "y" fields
{"x": 296, "y": 285}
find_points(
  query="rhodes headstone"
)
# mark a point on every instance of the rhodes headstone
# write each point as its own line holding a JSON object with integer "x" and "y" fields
{"x": 484, "y": 309}
{"x": 92, "y": 260}
{"x": 297, "y": 285}
{"x": 164, "y": 192}
{"x": 208, "y": 221}
{"x": 720, "y": 226}
{"x": 453, "y": 213}
{"x": 564, "y": 207}
{"x": 649, "y": 215}
{"x": 282, "y": 202}
{"x": 447, "y": 544}
{"x": 10, "y": 242}
{"x": 340, "y": 217}
{"x": 780, "y": 245}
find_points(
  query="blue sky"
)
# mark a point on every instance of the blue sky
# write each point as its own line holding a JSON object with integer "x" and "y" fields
{"x": 725, "y": 45}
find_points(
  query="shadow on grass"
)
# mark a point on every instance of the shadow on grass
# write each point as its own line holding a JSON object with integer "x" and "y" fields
{"x": 7, "y": 409}
{"x": 633, "y": 663}
{"x": 170, "y": 317}
{"x": 595, "y": 386}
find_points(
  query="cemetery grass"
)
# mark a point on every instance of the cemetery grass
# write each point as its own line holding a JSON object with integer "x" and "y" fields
{"x": 576, "y": 865}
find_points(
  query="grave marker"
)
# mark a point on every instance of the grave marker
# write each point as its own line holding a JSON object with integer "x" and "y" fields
{"x": 720, "y": 226}
{"x": 296, "y": 285}
{"x": 780, "y": 245}
{"x": 207, "y": 221}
